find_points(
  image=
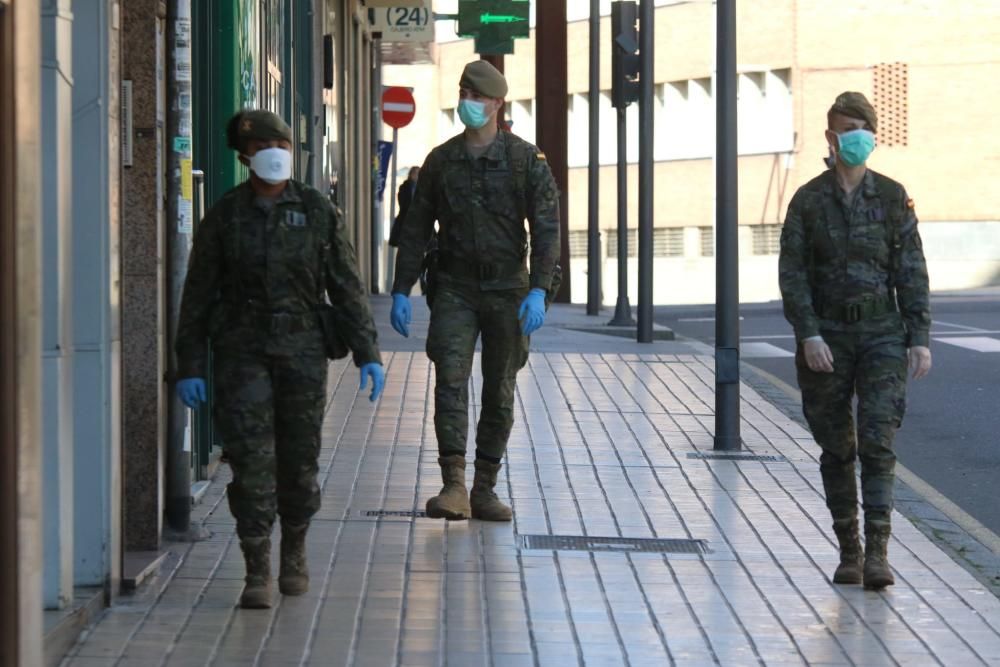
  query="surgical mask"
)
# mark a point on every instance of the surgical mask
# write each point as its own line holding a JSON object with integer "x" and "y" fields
{"x": 472, "y": 113}
{"x": 272, "y": 165}
{"x": 855, "y": 147}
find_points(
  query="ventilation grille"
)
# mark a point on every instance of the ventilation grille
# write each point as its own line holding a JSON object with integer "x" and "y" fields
{"x": 417, "y": 514}
{"x": 614, "y": 544}
{"x": 891, "y": 86}
{"x": 723, "y": 456}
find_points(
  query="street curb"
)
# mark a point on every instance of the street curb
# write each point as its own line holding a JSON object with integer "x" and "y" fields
{"x": 967, "y": 541}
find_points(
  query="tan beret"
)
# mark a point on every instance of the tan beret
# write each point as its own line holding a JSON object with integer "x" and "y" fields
{"x": 483, "y": 78}
{"x": 855, "y": 105}
{"x": 261, "y": 124}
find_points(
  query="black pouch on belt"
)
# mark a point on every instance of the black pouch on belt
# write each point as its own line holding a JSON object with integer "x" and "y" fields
{"x": 333, "y": 342}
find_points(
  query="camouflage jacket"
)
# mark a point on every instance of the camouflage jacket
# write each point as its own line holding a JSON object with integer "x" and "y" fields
{"x": 258, "y": 275}
{"x": 838, "y": 251}
{"x": 480, "y": 205}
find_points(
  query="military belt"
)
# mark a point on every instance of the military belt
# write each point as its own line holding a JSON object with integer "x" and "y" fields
{"x": 280, "y": 323}
{"x": 858, "y": 311}
{"x": 459, "y": 268}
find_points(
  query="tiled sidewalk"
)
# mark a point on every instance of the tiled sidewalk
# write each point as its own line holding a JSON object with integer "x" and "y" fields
{"x": 601, "y": 448}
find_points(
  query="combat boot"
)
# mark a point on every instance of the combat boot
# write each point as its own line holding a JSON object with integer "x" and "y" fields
{"x": 257, "y": 555}
{"x": 877, "y": 571}
{"x": 452, "y": 502}
{"x": 851, "y": 555}
{"x": 293, "y": 574}
{"x": 485, "y": 504}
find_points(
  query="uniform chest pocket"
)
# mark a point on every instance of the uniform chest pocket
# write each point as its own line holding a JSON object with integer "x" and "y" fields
{"x": 295, "y": 234}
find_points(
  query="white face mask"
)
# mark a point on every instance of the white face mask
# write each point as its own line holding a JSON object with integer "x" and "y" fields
{"x": 272, "y": 165}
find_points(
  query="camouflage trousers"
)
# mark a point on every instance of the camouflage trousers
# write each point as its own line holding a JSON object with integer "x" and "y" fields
{"x": 462, "y": 313}
{"x": 871, "y": 366}
{"x": 268, "y": 412}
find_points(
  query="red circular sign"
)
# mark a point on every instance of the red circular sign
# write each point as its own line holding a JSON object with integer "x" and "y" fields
{"x": 398, "y": 107}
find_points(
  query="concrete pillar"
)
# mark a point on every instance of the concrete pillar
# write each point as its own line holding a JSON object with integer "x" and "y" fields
{"x": 20, "y": 337}
{"x": 57, "y": 305}
{"x": 142, "y": 278}
{"x": 96, "y": 294}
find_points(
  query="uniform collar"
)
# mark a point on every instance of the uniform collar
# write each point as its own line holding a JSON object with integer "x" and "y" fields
{"x": 291, "y": 194}
{"x": 455, "y": 148}
{"x": 868, "y": 187}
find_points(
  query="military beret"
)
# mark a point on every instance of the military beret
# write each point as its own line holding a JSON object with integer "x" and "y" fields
{"x": 256, "y": 124}
{"x": 483, "y": 78}
{"x": 855, "y": 105}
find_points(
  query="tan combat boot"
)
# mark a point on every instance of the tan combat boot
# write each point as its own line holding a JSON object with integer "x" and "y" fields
{"x": 485, "y": 504}
{"x": 851, "y": 555}
{"x": 453, "y": 501}
{"x": 877, "y": 571}
{"x": 293, "y": 575}
{"x": 257, "y": 555}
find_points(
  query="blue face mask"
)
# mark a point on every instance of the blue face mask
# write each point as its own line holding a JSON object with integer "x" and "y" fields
{"x": 472, "y": 113}
{"x": 855, "y": 147}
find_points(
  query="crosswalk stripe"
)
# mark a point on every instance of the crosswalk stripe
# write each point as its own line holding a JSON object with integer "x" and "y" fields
{"x": 975, "y": 343}
{"x": 763, "y": 351}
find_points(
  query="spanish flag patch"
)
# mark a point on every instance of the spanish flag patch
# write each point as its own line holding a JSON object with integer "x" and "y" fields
{"x": 540, "y": 155}
{"x": 910, "y": 204}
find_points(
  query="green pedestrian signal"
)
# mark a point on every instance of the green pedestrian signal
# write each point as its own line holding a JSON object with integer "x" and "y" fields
{"x": 494, "y": 24}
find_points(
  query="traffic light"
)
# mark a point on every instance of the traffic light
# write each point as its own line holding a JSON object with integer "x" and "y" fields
{"x": 624, "y": 53}
{"x": 494, "y": 23}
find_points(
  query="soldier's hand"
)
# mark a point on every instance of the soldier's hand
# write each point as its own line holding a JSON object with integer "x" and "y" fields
{"x": 918, "y": 360}
{"x": 400, "y": 315}
{"x": 819, "y": 358}
{"x": 532, "y": 311}
{"x": 377, "y": 374}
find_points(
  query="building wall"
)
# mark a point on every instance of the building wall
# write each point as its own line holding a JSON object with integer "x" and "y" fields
{"x": 794, "y": 57}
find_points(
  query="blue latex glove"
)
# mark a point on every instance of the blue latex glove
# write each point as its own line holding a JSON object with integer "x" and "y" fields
{"x": 532, "y": 312}
{"x": 191, "y": 391}
{"x": 377, "y": 374}
{"x": 400, "y": 315}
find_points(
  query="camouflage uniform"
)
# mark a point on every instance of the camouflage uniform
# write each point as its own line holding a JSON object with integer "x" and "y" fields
{"x": 852, "y": 270}
{"x": 480, "y": 205}
{"x": 256, "y": 278}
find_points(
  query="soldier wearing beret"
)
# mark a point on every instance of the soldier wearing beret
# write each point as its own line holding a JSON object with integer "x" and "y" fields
{"x": 855, "y": 289}
{"x": 479, "y": 186}
{"x": 263, "y": 263}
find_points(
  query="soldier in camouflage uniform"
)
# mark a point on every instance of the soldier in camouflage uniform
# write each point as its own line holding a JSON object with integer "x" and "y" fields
{"x": 855, "y": 289}
{"x": 480, "y": 186}
{"x": 264, "y": 260}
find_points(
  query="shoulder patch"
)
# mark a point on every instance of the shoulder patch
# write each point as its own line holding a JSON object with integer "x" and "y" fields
{"x": 540, "y": 155}
{"x": 910, "y": 204}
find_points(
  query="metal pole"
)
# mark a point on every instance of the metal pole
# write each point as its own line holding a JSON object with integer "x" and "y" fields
{"x": 390, "y": 263}
{"x": 594, "y": 168}
{"x": 179, "y": 221}
{"x": 727, "y": 300}
{"x": 623, "y": 311}
{"x": 375, "y": 99}
{"x": 645, "y": 328}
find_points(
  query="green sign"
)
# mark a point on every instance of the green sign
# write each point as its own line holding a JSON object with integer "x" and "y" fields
{"x": 494, "y": 24}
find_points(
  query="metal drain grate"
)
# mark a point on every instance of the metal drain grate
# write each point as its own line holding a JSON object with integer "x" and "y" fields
{"x": 416, "y": 514}
{"x": 620, "y": 544}
{"x": 722, "y": 456}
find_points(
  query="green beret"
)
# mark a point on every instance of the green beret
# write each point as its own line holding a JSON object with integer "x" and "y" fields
{"x": 483, "y": 78}
{"x": 256, "y": 124}
{"x": 855, "y": 105}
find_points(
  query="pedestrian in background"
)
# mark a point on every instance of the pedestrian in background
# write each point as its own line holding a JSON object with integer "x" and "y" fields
{"x": 403, "y": 197}
{"x": 855, "y": 289}
{"x": 479, "y": 186}
{"x": 264, "y": 261}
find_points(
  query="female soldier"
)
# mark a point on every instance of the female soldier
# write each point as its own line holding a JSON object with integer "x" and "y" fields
{"x": 264, "y": 260}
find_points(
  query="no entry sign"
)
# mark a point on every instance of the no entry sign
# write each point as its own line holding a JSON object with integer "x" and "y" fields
{"x": 398, "y": 107}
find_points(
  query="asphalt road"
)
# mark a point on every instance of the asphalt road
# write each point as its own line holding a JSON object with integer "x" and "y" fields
{"x": 951, "y": 434}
